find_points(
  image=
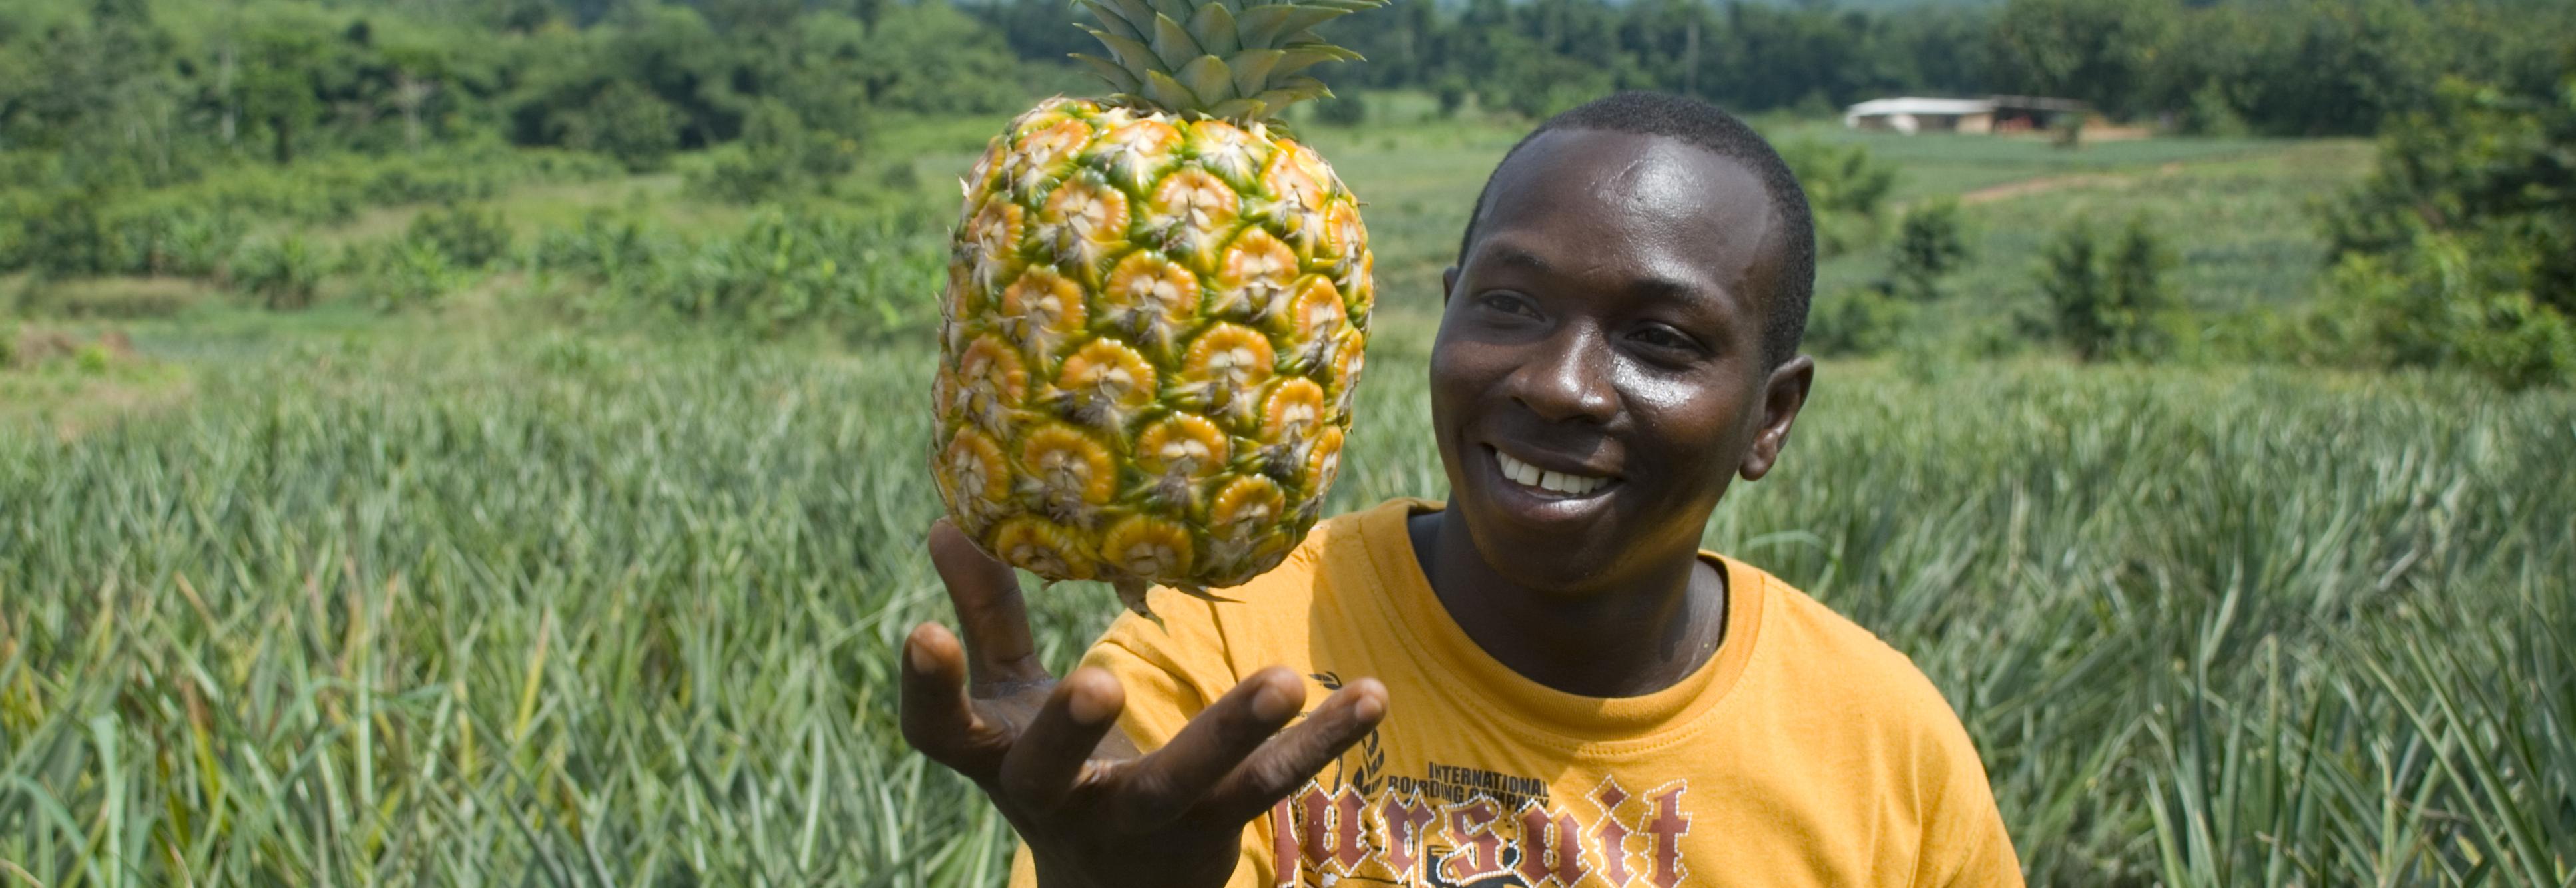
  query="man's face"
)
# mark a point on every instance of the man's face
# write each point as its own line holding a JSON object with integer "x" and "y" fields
{"x": 1599, "y": 377}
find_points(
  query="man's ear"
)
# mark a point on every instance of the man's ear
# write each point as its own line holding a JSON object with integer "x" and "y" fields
{"x": 1448, "y": 285}
{"x": 1783, "y": 395}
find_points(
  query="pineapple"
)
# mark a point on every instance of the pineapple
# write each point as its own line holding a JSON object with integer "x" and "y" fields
{"x": 1155, "y": 310}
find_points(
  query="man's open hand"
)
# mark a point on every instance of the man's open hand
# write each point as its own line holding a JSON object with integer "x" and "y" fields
{"x": 1093, "y": 811}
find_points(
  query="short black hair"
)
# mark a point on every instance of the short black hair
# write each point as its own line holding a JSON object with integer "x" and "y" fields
{"x": 1711, "y": 129}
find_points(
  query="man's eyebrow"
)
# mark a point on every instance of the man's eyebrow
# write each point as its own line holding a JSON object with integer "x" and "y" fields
{"x": 1651, "y": 287}
{"x": 1524, "y": 260}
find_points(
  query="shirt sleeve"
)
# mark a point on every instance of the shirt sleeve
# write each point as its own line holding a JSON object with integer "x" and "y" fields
{"x": 1964, "y": 840}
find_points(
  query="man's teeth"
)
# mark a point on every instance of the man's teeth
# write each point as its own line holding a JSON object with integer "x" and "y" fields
{"x": 1559, "y": 482}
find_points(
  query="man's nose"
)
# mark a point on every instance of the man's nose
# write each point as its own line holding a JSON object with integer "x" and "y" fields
{"x": 1569, "y": 377}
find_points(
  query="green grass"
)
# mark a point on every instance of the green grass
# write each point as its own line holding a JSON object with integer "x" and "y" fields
{"x": 590, "y": 609}
{"x": 475, "y": 595}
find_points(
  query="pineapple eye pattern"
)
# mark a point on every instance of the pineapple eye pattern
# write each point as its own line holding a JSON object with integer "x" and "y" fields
{"x": 994, "y": 236}
{"x": 1225, "y": 365}
{"x": 1323, "y": 462}
{"x": 1042, "y": 309}
{"x": 978, "y": 477}
{"x": 993, "y": 382}
{"x": 1295, "y": 406}
{"x": 1048, "y": 548}
{"x": 1106, "y": 383}
{"x": 1225, "y": 149}
{"x": 1149, "y": 297}
{"x": 1070, "y": 473}
{"x": 1134, "y": 149}
{"x": 1147, "y": 547}
{"x": 1191, "y": 209}
{"x": 1254, "y": 275}
{"x": 1082, "y": 221}
{"x": 1149, "y": 336}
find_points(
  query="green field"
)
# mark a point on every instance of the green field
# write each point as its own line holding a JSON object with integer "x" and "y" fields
{"x": 499, "y": 591}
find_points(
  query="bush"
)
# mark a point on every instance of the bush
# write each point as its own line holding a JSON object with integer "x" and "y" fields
{"x": 62, "y": 235}
{"x": 409, "y": 273}
{"x": 2106, "y": 299}
{"x": 624, "y": 121}
{"x": 283, "y": 272}
{"x": 467, "y": 237}
{"x": 1931, "y": 242}
{"x": 1858, "y": 321}
{"x": 1342, "y": 109}
{"x": 778, "y": 155}
{"x": 2453, "y": 301}
{"x": 169, "y": 237}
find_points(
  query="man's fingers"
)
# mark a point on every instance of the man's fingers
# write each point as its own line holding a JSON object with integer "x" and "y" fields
{"x": 937, "y": 717}
{"x": 1046, "y": 761}
{"x": 1292, "y": 757}
{"x": 1172, "y": 781}
{"x": 989, "y": 608}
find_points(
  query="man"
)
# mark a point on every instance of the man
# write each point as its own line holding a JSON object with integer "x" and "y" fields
{"x": 1543, "y": 682}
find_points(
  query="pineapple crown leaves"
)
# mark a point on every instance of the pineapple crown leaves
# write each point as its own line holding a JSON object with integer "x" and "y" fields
{"x": 1206, "y": 58}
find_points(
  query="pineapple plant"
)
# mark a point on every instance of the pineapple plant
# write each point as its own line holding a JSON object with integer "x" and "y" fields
{"x": 1155, "y": 310}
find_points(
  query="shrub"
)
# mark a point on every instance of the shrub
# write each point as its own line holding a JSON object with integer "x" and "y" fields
{"x": 625, "y": 121}
{"x": 2452, "y": 301}
{"x": 1931, "y": 242}
{"x": 411, "y": 272}
{"x": 1859, "y": 321}
{"x": 284, "y": 272}
{"x": 778, "y": 155}
{"x": 467, "y": 237}
{"x": 62, "y": 235}
{"x": 1342, "y": 109}
{"x": 2106, "y": 299}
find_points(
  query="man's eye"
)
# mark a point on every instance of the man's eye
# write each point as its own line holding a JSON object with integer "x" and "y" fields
{"x": 1511, "y": 303}
{"x": 1660, "y": 336}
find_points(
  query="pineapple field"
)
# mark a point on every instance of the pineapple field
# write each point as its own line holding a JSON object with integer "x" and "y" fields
{"x": 522, "y": 519}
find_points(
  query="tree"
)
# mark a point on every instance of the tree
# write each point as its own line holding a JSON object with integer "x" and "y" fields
{"x": 2105, "y": 300}
{"x": 2460, "y": 249}
{"x": 2100, "y": 51}
{"x": 1930, "y": 242}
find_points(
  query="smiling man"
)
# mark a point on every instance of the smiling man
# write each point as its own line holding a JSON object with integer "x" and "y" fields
{"x": 1544, "y": 681}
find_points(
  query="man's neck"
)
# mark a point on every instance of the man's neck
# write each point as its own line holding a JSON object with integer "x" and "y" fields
{"x": 1647, "y": 635}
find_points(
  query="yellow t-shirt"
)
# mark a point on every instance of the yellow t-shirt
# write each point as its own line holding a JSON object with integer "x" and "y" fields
{"x": 1806, "y": 752}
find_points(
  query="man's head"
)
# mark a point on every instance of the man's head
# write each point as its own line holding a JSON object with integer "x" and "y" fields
{"x": 1619, "y": 339}
{"x": 1704, "y": 126}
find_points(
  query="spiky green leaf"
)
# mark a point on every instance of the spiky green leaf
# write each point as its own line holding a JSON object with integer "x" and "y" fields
{"x": 1307, "y": 55}
{"x": 1262, "y": 27}
{"x": 1179, "y": 10}
{"x": 1213, "y": 26}
{"x": 1112, "y": 21}
{"x": 1168, "y": 93}
{"x": 1172, "y": 43}
{"x": 1252, "y": 69}
{"x": 1130, "y": 54}
{"x": 1291, "y": 91}
{"x": 1209, "y": 79}
{"x": 1236, "y": 109}
{"x": 1120, "y": 79}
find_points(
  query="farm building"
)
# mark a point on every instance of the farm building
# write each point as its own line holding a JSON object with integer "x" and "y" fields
{"x": 1915, "y": 114}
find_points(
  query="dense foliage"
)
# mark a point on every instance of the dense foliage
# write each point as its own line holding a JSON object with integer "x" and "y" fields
{"x": 460, "y": 609}
{"x": 2461, "y": 248}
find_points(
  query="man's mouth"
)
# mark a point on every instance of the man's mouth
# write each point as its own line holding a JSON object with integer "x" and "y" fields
{"x": 1547, "y": 482}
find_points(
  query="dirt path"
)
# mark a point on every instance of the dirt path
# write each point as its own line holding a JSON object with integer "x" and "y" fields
{"x": 2045, "y": 184}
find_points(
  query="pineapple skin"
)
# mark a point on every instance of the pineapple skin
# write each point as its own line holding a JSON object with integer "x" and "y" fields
{"x": 1150, "y": 339}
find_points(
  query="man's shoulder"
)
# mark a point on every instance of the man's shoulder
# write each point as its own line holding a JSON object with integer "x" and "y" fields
{"x": 1844, "y": 668}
